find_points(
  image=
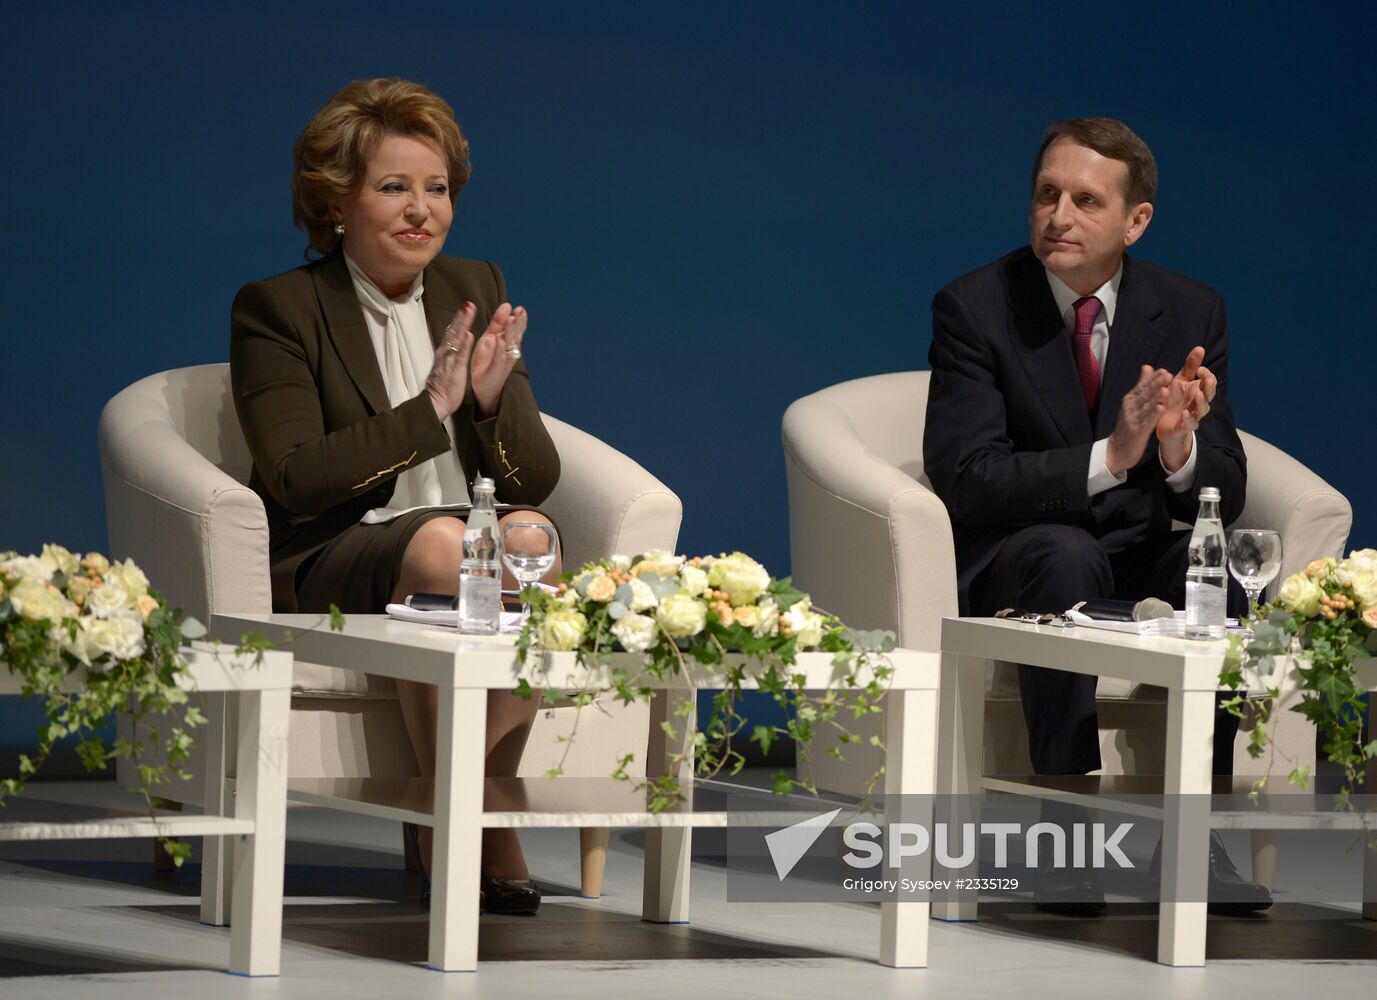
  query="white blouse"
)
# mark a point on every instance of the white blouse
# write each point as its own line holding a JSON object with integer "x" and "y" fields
{"x": 401, "y": 341}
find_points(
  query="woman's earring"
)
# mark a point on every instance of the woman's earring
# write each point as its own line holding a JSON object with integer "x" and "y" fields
{"x": 339, "y": 228}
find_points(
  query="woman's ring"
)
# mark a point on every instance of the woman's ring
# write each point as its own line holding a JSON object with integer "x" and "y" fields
{"x": 450, "y": 347}
{"x": 514, "y": 353}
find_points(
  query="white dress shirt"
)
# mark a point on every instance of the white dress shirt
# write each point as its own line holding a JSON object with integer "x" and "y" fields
{"x": 1098, "y": 476}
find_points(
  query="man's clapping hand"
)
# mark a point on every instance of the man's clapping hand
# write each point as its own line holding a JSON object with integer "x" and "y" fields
{"x": 1188, "y": 401}
{"x": 1139, "y": 413}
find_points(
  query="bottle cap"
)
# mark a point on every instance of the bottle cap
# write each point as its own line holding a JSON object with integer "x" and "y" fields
{"x": 1209, "y": 493}
{"x": 484, "y": 483}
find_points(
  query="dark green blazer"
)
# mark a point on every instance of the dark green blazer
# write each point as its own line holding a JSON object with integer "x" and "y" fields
{"x": 327, "y": 445}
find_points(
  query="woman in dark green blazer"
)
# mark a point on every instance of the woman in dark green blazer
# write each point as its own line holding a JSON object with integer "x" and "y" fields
{"x": 375, "y": 384}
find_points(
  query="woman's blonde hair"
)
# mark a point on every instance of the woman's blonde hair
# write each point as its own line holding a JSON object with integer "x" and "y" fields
{"x": 332, "y": 152}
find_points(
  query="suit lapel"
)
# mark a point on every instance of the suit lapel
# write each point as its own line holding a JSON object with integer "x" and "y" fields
{"x": 1134, "y": 340}
{"x": 348, "y": 331}
{"x": 1045, "y": 348}
{"x": 441, "y": 302}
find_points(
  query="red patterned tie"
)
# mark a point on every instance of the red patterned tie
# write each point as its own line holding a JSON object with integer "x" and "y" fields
{"x": 1087, "y": 310}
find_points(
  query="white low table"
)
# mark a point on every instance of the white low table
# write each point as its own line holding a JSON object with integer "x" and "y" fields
{"x": 460, "y": 803}
{"x": 257, "y": 819}
{"x": 1189, "y": 670}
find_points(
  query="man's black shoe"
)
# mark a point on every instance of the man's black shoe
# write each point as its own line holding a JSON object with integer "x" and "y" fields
{"x": 1230, "y": 894}
{"x": 1069, "y": 892}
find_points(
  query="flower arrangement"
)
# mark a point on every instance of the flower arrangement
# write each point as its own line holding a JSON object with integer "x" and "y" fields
{"x": 60, "y": 613}
{"x": 1324, "y": 619}
{"x": 670, "y": 609}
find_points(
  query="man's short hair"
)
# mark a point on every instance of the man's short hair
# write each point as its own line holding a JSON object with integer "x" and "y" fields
{"x": 1112, "y": 138}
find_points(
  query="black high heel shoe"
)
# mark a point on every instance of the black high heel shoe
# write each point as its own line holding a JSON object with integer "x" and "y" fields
{"x": 512, "y": 896}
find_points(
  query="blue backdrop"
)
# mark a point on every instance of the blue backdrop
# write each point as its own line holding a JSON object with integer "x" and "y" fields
{"x": 709, "y": 209}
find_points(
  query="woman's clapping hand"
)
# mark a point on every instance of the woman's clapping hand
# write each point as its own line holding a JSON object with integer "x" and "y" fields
{"x": 491, "y": 360}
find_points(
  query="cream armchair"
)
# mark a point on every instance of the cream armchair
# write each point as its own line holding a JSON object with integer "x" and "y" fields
{"x": 175, "y": 463}
{"x": 871, "y": 542}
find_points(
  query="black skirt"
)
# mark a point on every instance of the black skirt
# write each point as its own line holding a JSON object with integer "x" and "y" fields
{"x": 359, "y": 569}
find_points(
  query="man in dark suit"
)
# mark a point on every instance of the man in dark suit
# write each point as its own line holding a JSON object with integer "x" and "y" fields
{"x": 1079, "y": 401}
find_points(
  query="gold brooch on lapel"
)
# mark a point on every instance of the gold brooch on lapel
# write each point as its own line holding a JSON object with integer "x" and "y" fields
{"x": 512, "y": 470}
{"x": 382, "y": 472}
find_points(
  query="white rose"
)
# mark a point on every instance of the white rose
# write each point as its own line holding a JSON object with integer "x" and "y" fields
{"x": 65, "y": 561}
{"x": 601, "y": 589}
{"x": 1364, "y": 584}
{"x": 78, "y": 645}
{"x": 128, "y": 577}
{"x": 562, "y": 629}
{"x": 642, "y": 597}
{"x": 108, "y": 601}
{"x": 1320, "y": 567}
{"x": 695, "y": 581}
{"x": 121, "y": 638}
{"x": 740, "y": 576}
{"x": 806, "y": 625}
{"x": 1364, "y": 559}
{"x": 682, "y": 616}
{"x": 620, "y": 562}
{"x": 1301, "y": 595}
{"x": 636, "y": 633}
{"x": 34, "y": 599}
{"x": 568, "y": 598}
{"x": 39, "y": 568}
{"x": 660, "y": 562}
{"x": 767, "y": 623}
{"x": 1357, "y": 562}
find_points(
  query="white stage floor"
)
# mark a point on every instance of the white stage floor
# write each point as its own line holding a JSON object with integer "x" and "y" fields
{"x": 92, "y": 918}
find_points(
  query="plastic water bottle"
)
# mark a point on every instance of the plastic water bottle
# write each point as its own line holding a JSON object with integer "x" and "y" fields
{"x": 480, "y": 574}
{"x": 1207, "y": 579}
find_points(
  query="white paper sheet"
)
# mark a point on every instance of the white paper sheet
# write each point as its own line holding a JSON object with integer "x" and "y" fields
{"x": 1173, "y": 627}
{"x": 511, "y": 620}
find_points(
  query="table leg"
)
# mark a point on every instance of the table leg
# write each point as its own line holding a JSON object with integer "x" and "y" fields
{"x": 668, "y": 850}
{"x": 458, "y": 829}
{"x": 910, "y": 771}
{"x": 1185, "y": 827}
{"x": 214, "y": 850}
{"x": 961, "y": 749}
{"x": 260, "y": 795}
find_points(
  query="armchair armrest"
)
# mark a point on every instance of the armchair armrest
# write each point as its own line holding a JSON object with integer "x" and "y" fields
{"x": 195, "y": 530}
{"x": 606, "y": 503}
{"x": 899, "y": 565}
{"x": 1311, "y": 516}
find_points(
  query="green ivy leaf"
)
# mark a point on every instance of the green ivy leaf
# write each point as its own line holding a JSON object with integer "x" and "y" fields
{"x": 784, "y": 592}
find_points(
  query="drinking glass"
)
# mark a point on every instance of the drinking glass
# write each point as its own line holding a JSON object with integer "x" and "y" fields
{"x": 1254, "y": 560}
{"x": 528, "y": 549}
